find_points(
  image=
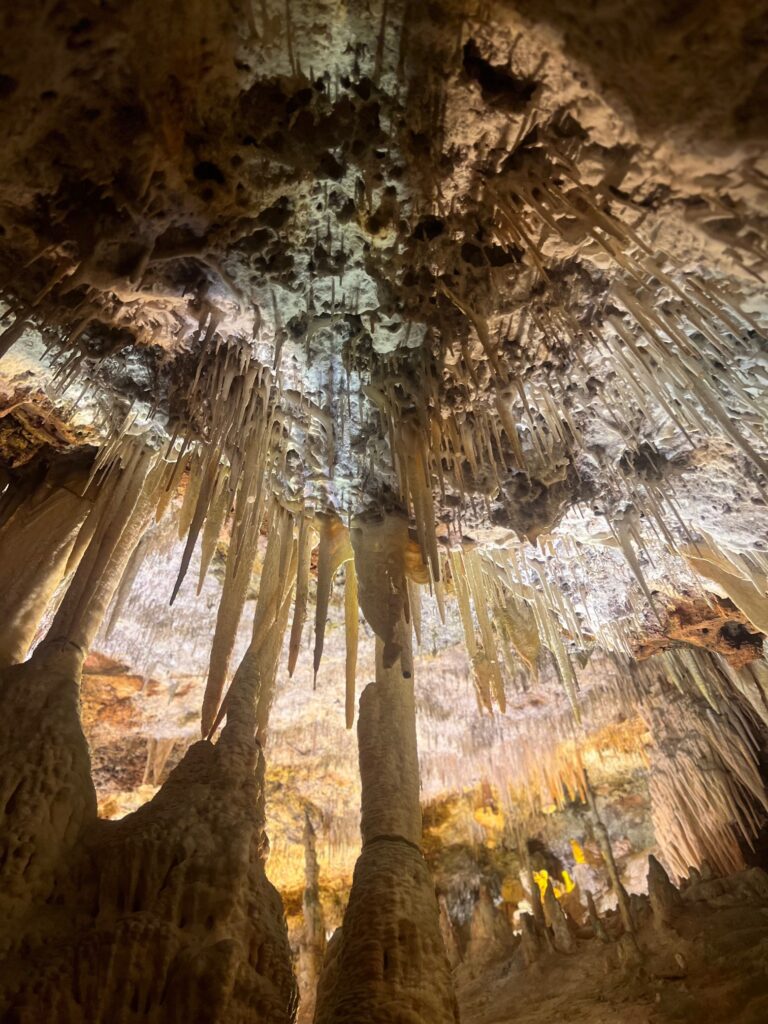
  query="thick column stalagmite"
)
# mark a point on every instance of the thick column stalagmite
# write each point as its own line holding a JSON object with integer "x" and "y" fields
{"x": 45, "y": 781}
{"x": 389, "y": 962}
{"x": 46, "y": 792}
{"x": 312, "y": 945}
{"x": 165, "y": 916}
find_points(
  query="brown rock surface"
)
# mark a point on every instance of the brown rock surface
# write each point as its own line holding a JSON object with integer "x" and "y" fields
{"x": 461, "y": 303}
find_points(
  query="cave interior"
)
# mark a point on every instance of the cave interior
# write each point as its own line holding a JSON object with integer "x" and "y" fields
{"x": 383, "y": 512}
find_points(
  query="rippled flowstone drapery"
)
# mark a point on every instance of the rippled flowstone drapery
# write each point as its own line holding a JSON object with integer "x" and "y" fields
{"x": 165, "y": 915}
{"x": 38, "y": 527}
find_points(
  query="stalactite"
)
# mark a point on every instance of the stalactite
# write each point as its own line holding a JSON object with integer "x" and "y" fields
{"x": 333, "y": 551}
{"x": 306, "y": 543}
{"x": 380, "y": 546}
{"x": 351, "y": 628}
{"x": 700, "y": 816}
{"x": 255, "y": 677}
{"x": 123, "y": 511}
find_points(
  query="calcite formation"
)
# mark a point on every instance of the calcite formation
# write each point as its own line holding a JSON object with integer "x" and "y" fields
{"x": 352, "y": 339}
{"x": 391, "y": 964}
{"x": 666, "y": 974}
{"x": 162, "y": 916}
{"x": 40, "y": 523}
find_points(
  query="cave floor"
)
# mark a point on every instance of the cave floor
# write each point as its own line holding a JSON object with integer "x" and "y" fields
{"x": 710, "y": 964}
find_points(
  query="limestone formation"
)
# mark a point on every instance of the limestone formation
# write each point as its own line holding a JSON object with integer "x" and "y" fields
{"x": 163, "y": 915}
{"x": 313, "y": 942}
{"x": 389, "y": 963}
{"x": 706, "y": 790}
{"x": 36, "y": 540}
{"x": 330, "y": 324}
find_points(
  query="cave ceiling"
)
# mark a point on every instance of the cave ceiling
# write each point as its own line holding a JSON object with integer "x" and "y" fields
{"x": 443, "y": 215}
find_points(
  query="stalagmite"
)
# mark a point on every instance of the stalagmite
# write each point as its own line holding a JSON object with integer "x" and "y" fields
{"x": 597, "y": 925}
{"x": 45, "y": 783}
{"x": 663, "y": 895}
{"x": 312, "y": 945}
{"x": 489, "y": 933}
{"x": 604, "y": 841}
{"x": 389, "y": 965}
{"x": 557, "y": 921}
{"x": 529, "y": 885}
{"x": 448, "y": 933}
{"x": 182, "y": 877}
{"x": 530, "y": 941}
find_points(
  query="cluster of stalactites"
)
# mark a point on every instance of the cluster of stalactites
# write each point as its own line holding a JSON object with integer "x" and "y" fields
{"x": 660, "y": 348}
{"x": 708, "y": 800}
{"x": 672, "y": 343}
{"x": 667, "y": 338}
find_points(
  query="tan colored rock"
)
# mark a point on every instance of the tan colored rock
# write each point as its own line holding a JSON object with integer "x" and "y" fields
{"x": 490, "y": 935}
{"x": 312, "y": 945}
{"x": 165, "y": 915}
{"x": 557, "y": 921}
{"x": 35, "y": 545}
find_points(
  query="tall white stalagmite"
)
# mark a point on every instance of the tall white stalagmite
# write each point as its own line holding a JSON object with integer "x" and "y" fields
{"x": 389, "y": 962}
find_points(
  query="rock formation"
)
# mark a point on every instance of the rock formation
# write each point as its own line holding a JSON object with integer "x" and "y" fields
{"x": 669, "y": 975}
{"x": 331, "y": 325}
{"x": 389, "y": 963}
{"x": 313, "y": 942}
{"x": 40, "y": 523}
{"x": 161, "y": 916}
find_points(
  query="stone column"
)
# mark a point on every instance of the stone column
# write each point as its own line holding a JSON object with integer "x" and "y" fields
{"x": 165, "y": 916}
{"x": 46, "y": 790}
{"x": 389, "y": 962}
